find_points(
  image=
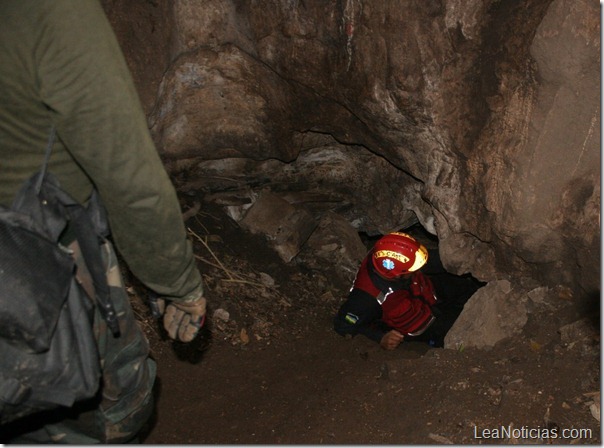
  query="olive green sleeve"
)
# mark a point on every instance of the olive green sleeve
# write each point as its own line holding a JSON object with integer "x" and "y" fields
{"x": 85, "y": 82}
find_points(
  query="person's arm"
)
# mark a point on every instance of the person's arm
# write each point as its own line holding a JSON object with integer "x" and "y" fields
{"x": 86, "y": 84}
{"x": 360, "y": 314}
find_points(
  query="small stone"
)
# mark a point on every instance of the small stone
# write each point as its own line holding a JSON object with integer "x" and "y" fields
{"x": 594, "y": 408}
{"x": 221, "y": 314}
{"x": 577, "y": 331}
{"x": 245, "y": 339}
{"x": 266, "y": 279}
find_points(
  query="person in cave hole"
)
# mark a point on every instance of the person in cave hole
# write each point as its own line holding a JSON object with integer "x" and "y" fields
{"x": 391, "y": 301}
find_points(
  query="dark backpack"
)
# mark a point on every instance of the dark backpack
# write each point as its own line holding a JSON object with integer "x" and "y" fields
{"x": 48, "y": 352}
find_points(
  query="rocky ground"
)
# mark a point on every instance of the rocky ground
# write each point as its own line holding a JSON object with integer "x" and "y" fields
{"x": 269, "y": 369}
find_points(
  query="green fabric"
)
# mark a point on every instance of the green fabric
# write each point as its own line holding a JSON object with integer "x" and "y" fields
{"x": 61, "y": 63}
{"x": 124, "y": 403}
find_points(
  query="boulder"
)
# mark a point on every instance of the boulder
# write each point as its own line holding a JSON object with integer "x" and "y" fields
{"x": 495, "y": 312}
{"x": 285, "y": 226}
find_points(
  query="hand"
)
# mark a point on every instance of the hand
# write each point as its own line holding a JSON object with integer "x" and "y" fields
{"x": 183, "y": 320}
{"x": 391, "y": 340}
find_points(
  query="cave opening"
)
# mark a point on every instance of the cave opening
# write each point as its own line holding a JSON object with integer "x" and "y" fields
{"x": 452, "y": 290}
{"x": 472, "y": 98}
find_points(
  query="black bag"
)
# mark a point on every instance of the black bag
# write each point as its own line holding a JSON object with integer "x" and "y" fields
{"x": 48, "y": 352}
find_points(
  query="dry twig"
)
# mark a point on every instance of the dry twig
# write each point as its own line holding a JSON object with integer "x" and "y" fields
{"x": 205, "y": 244}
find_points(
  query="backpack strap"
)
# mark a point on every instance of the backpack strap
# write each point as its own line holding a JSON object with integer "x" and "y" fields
{"x": 89, "y": 241}
{"x": 88, "y": 231}
{"x": 42, "y": 174}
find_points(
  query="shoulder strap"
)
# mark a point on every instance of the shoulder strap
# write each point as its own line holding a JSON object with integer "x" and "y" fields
{"x": 51, "y": 141}
{"x": 87, "y": 229}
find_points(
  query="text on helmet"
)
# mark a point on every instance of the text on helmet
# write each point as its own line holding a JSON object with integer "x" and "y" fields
{"x": 392, "y": 254}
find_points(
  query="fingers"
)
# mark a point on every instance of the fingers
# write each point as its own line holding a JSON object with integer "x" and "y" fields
{"x": 397, "y": 336}
{"x": 391, "y": 340}
{"x": 172, "y": 319}
{"x": 182, "y": 320}
{"x": 189, "y": 327}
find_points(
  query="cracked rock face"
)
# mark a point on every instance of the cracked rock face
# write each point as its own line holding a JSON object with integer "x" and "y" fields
{"x": 479, "y": 119}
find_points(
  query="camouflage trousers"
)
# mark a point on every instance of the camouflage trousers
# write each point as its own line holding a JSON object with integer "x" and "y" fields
{"x": 124, "y": 402}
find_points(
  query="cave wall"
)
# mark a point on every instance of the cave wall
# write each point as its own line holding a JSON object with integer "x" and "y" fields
{"x": 535, "y": 167}
{"x": 478, "y": 118}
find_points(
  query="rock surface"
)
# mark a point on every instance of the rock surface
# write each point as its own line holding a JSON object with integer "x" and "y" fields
{"x": 285, "y": 226}
{"x": 478, "y": 119}
{"x": 493, "y": 313}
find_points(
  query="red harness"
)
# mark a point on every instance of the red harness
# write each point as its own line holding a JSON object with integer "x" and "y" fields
{"x": 406, "y": 310}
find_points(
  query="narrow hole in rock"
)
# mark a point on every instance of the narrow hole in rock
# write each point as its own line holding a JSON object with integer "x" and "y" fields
{"x": 452, "y": 291}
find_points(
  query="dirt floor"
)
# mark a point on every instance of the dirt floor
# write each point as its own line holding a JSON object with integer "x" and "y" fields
{"x": 269, "y": 368}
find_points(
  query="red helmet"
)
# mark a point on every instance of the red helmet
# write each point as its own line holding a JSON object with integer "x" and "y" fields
{"x": 396, "y": 254}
